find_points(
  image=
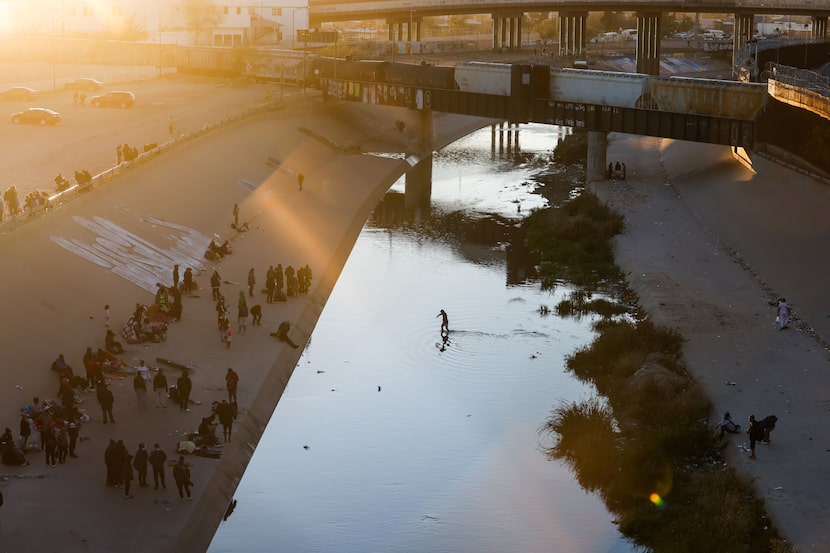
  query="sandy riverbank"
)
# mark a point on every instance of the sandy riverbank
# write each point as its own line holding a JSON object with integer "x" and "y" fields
{"x": 708, "y": 245}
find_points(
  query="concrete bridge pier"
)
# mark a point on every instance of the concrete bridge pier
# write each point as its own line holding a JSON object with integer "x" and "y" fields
{"x": 508, "y": 136}
{"x": 418, "y": 181}
{"x": 412, "y": 26}
{"x": 744, "y": 32}
{"x": 572, "y": 33}
{"x": 596, "y": 167}
{"x": 819, "y": 30}
{"x": 648, "y": 43}
{"x": 507, "y": 31}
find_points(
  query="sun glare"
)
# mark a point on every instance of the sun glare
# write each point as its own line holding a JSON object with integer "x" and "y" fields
{"x": 657, "y": 500}
{"x": 5, "y": 18}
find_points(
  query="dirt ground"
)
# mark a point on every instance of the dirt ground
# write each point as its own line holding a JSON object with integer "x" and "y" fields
{"x": 709, "y": 246}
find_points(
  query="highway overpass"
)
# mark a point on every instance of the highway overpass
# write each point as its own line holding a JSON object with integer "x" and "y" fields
{"x": 405, "y": 19}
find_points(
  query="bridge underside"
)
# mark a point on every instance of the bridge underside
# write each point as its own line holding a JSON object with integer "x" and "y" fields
{"x": 648, "y": 122}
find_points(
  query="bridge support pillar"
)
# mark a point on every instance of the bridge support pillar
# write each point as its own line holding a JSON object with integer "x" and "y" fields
{"x": 572, "y": 33}
{"x": 507, "y": 31}
{"x": 743, "y": 33}
{"x": 518, "y": 41}
{"x": 507, "y": 133}
{"x": 648, "y": 43}
{"x": 418, "y": 184}
{"x": 819, "y": 30}
{"x": 596, "y": 167}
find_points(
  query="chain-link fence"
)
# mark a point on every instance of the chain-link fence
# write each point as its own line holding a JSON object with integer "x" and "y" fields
{"x": 802, "y": 78}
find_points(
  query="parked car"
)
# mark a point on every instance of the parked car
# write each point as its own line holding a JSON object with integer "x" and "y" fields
{"x": 113, "y": 99}
{"x": 86, "y": 84}
{"x": 40, "y": 116}
{"x": 18, "y": 93}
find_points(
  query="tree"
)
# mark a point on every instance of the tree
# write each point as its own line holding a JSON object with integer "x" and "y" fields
{"x": 200, "y": 15}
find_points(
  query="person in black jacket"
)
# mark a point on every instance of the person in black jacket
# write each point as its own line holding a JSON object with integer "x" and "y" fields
{"x": 756, "y": 434}
{"x": 184, "y": 385}
{"x": 106, "y": 399}
{"x": 181, "y": 474}
{"x": 157, "y": 460}
{"x": 140, "y": 464}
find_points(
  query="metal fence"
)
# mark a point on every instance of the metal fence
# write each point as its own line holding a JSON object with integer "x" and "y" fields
{"x": 802, "y": 78}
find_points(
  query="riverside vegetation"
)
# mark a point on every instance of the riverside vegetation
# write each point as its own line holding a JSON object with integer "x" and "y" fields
{"x": 643, "y": 443}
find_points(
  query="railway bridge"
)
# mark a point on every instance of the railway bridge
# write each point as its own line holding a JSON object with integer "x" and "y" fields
{"x": 700, "y": 110}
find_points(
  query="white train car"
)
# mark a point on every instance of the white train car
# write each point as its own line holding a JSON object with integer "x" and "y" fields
{"x": 625, "y": 90}
{"x": 485, "y": 78}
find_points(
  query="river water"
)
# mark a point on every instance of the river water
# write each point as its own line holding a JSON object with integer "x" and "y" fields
{"x": 390, "y": 439}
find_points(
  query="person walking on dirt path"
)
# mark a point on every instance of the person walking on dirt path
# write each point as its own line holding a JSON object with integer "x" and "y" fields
{"x": 300, "y": 180}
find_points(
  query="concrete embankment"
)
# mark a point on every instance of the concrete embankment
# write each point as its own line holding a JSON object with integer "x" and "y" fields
{"x": 111, "y": 245}
{"x": 709, "y": 246}
{"x": 356, "y": 192}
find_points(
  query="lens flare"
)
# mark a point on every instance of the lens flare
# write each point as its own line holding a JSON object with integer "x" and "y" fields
{"x": 657, "y": 500}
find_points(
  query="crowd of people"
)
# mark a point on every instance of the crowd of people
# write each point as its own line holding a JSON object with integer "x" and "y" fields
{"x": 53, "y": 427}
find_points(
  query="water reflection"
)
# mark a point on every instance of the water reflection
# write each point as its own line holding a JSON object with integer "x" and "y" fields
{"x": 417, "y": 442}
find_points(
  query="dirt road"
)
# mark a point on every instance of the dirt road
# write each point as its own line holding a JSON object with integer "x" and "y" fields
{"x": 709, "y": 246}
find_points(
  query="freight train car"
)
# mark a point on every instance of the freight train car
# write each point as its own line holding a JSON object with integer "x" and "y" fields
{"x": 498, "y": 79}
{"x": 606, "y": 88}
{"x": 730, "y": 99}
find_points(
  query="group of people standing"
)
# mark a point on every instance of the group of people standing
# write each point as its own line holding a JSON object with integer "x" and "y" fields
{"x": 616, "y": 170}
{"x": 295, "y": 282}
{"x": 120, "y": 465}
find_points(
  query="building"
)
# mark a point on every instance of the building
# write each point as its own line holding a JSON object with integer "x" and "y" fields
{"x": 215, "y": 22}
